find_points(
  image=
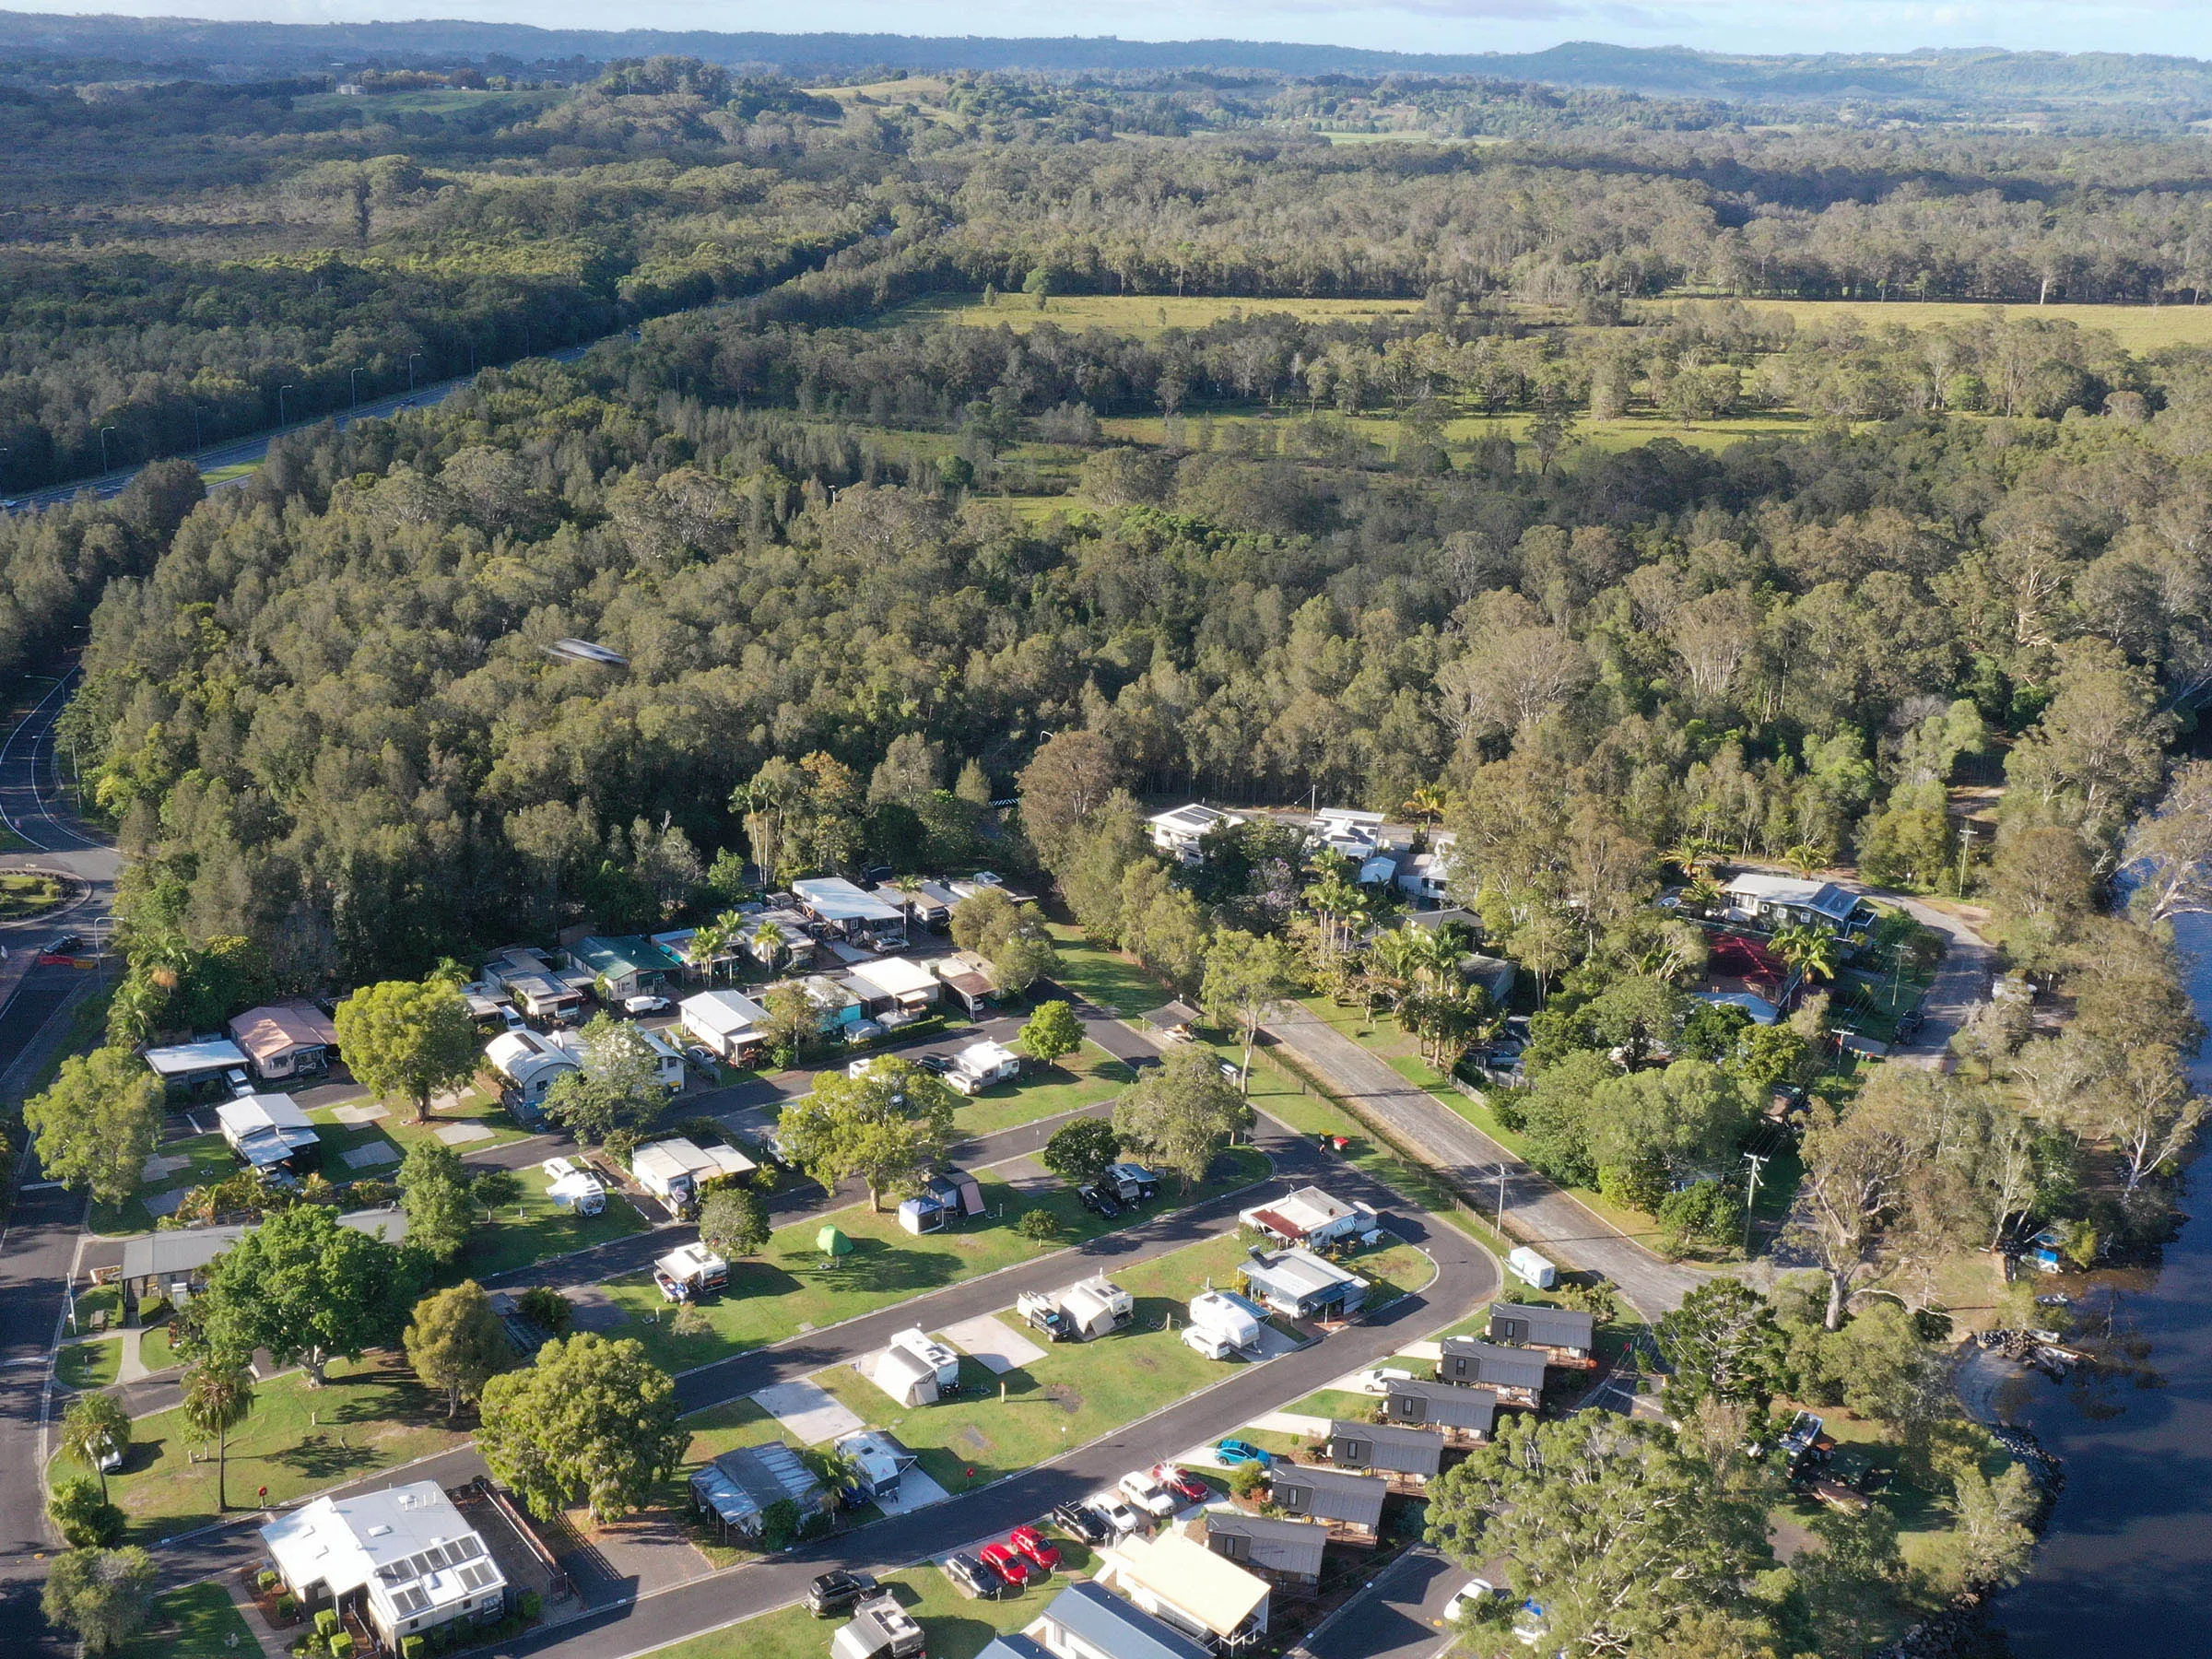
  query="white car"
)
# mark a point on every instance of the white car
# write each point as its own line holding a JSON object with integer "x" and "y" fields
{"x": 1200, "y": 1340}
{"x": 1378, "y": 1381}
{"x": 1468, "y": 1597}
{"x": 1149, "y": 1495}
{"x": 110, "y": 1457}
{"x": 644, "y": 1005}
{"x": 1109, "y": 1508}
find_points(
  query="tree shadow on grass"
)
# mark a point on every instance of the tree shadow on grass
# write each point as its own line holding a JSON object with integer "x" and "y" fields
{"x": 324, "y": 1458}
{"x": 875, "y": 1266}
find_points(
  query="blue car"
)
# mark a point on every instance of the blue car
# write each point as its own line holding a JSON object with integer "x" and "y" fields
{"x": 1234, "y": 1452}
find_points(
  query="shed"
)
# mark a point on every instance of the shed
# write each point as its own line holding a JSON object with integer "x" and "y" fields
{"x": 738, "y": 1487}
{"x": 1566, "y": 1332}
{"x": 1301, "y": 1285}
{"x": 1336, "y": 1496}
{"x": 268, "y": 1131}
{"x": 879, "y": 1629}
{"x": 1290, "y": 1551}
{"x": 1175, "y": 1020}
{"x": 287, "y": 1039}
{"x": 1385, "y": 1448}
{"x": 1470, "y": 1412}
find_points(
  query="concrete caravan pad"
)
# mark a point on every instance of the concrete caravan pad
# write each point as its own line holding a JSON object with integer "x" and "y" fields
{"x": 810, "y": 1413}
{"x": 456, "y": 1134}
{"x": 369, "y": 1154}
{"x": 353, "y": 1116}
{"x": 992, "y": 1344}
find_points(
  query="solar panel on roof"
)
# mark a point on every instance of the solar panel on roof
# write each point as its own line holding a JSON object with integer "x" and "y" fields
{"x": 409, "y": 1600}
{"x": 467, "y": 1548}
{"x": 476, "y": 1575}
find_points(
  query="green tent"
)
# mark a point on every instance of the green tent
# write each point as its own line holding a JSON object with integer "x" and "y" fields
{"x": 831, "y": 1242}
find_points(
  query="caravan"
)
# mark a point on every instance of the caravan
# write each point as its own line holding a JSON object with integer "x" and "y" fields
{"x": 1221, "y": 1326}
{"x": 1095, "y": 1306}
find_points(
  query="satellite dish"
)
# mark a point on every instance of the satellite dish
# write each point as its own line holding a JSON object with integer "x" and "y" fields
{"x": 587, "y": 651}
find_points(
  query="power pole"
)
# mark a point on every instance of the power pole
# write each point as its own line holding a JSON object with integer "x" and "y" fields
{"x": 1757, "y": 1162}
{"x": 1502, "y": 1200}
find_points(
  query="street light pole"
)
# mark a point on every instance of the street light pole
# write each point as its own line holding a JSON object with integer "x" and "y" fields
{"x": 1502, "y": 1200}
{"x": 411, "y": 356}
{"x": 288, "y": 386}
{"x": 353, "y": 379}
{"x": 105, "y": 465}
{"x": 1752, "y": 1193}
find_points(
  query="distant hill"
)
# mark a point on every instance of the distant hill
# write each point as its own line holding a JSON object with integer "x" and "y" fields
{"x": 1967, "y": 78}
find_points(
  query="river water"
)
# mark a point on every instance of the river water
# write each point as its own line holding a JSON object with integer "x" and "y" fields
{"x": 2126, "y": 1566}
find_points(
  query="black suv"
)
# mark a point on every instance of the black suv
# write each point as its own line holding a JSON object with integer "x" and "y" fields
{"x": 834, "y": 1591}
{"x": 974, "y": 1576}
{"x": 1096, "y": 1201}
{"x": 1082, "y": 1521}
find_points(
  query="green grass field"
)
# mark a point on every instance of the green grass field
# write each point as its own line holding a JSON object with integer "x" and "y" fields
{"x": 210, "y": 1160}
{"x": 537, "y": 1229}
{"x": 1075, "y": 1393}
{"x": 154, "y": 1350}
{"x": 200, "y": 1621}
{"x": 2136, "y": 327}
{"x": 91, "y": 1364}
{"x": 297, "y": 1440}
{"x": 1083, "y": 1078}
{"x": 788, "y": 1290}
{"x": 27, "y": 895}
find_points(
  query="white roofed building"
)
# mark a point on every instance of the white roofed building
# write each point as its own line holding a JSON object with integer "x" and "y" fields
{"x": 1785, "y": 902}
{"x": 895, "y": 986}
{"x": 267, "y": 1130}
{"x": 1178, "y": 833}
{"x": 404, "y": 1558}
{"x": 673, "y": 1171}
{"x": 729, "y": 1024}
{"x": 532, "y": 1061}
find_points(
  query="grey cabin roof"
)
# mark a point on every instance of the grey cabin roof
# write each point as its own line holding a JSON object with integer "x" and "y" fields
{"x": 1116, "y": 1627}
{"x": 1331, "y": 1494}
{"x": 1014, "y": 1645}
{"x": 1279, "y": 1545}
{"x": 1442, "y": 1404}
{"x": 1547, "y": 1328}
{"x": 1408, "y": 1451}
{"x": 1466, "y": 1360}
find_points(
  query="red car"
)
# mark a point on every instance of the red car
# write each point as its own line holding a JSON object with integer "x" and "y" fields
{"x": 1037, "y": 1549}
{"x": 1007, "y": 1565}
{"x": 1180, "y": 1483}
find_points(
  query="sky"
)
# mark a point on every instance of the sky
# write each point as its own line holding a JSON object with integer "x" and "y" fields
{"x": 2182, "y": 28}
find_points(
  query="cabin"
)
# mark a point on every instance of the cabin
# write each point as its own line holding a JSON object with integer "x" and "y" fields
{"x": 1772, "y": 901}
{"x": 174, "y": 1262}
{"x": 624, "y": 967}
{"x": 286, "y": 1040}
{"x": 1465, "y": 1416}
{"x": 1178, "y": 833}
{"x": 1186, "y": 1586}
{"x": 1568, "y": 1337}
{"x": 1348, "y": 1504}
{"x": 1358, "y": 835}
{"x": 1392, "y": 1450}
{"x": 895, "y": 989}
{"x": 1426, "y": 877}
{"x": 1515, "y": 1375}
{"x": 778, "y": 937}
{"x": 269, "y": 1131}
{"x": 1308, "y": 1216}
{"x": 531, "y": 1063}
{"x": 186, "y": 1066}
{"x": 740, "y": 1487}
{"x": 1283, "y": 1552}
{"x": 966, "y": 980}
{"x": 842, "y": 910}
{"x": 1299, "y": 1285}
{"x": 1084, "y": 1622}
{"x": 674, "y": 1170}
{"x": 726, "y": 1024}
{"x": 534, "y": 984}
{"x": 402, "y": 1559}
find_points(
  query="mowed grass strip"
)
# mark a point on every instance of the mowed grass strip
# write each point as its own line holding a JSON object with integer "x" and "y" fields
{"x": 790, "y": 1287}
{"x": 1085, "y": 1077}
{"x": 537, "y": 1228}
{"x": 199, "y": 1621}
{"x": 372, "y": 1416}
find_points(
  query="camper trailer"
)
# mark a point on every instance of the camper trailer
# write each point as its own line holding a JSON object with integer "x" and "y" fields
{"x": 1222, "y": 1324}
{"x": 1532, "y": 1269}
{"x": 981, "y": 1065}
{"x": 1096, "y": 1305}
{"x": 689, "y": 1271}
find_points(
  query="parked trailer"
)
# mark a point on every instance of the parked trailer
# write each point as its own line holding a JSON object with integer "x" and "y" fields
{"x": 1532, "y": 1269}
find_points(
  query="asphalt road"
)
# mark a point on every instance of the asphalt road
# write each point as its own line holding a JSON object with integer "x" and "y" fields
{"x": 1399, "y": 1614}
{"x": 1536, "y": 1210}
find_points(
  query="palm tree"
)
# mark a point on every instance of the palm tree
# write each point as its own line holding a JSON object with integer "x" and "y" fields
{"x": 1427, "y": 804}
{"x": 709, "y": 940}
{"x": 218, "y": 1393}
{"x": 1696, "y": 856}
{"x": 1704, "y": 895}
{"x": 1811, "y": 950}
{"x": 770, "y": 938}
{"x": 94, "y": 1429}
{"x": 1806, "y": 859}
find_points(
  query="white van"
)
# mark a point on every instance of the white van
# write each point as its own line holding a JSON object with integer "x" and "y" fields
{"x": 1530, "y": 1268}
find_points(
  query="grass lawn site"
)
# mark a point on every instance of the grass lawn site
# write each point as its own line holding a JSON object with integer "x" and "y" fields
{"x": 197, "y": 1622}
{"x": 89, "y": 1364}
{"x": 790, "y": 1288}
{"x": 537, "y": 1229}
{"x": 154, "y": 1349}
{"x": 208, "y": 1160}
{"x": 26, "y": 894}
{"x": 1083, "y": 1079}
{"x": 959, "y": 1627}
{"x": 1077, "y": 1391}
{"x": 297, "y": 1440}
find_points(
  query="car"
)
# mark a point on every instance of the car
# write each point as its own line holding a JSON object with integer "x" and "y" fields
{"x": 1203, "y": 1342}
{"x": 1180, "y": 1482}
{"x": 973, "y": 1577}
{"x": 510, "y": 1019}
{"x": 1096, "y": 1201}
{"x": 1005, "y": 1560}
{"x": 1149, "y": 1495}
{"x": 939, "y": 1064}
{"x": 1085, "y": 1523}
{"x": 1230, "y": 1453}
{"x": 988, "y": 878}
{"x": 1037, "y": 1549}
{"x": 1378, "y": 1381}
{"x": 1468, "y": 1597}
{"x": 110, "y": 1457}
{"x": 834, "y": 1591}
{"x": 1117, "y": 1515}
{"x": 644, "y": 1005}
{"x": 699, "y": 1056}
